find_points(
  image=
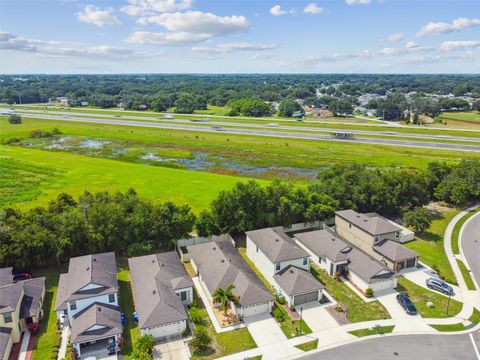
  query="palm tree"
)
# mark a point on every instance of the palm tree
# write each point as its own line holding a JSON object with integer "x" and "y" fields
{"x": 224, "y": 296}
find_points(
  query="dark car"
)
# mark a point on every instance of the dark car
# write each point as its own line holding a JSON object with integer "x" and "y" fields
{"x": 439, "y": 285}
{"x": 20, "y": 276}
{"x": 406, "y": 304}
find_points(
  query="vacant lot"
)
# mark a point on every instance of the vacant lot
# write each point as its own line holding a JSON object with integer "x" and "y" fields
{"x": 32, "y": 177}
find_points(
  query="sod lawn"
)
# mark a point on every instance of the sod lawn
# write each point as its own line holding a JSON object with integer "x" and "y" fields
{"x": 466, "y": 275}
{"x": 357, "y": 309}
{"x": 308, "y": 346}
{"x": 372, "y": 331}
{"x": 449, "y": 327}
{"x": 457, "y": 228}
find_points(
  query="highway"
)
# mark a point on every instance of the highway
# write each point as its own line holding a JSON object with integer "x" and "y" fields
{"x": 387, "y": 134}
{"x": 255, "y": 132}
{"x": 407, "y": 347}
{"x": 470, "y": 242}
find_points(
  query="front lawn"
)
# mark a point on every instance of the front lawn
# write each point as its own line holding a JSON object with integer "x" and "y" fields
{"x": 48, "y": 337}
{"x": 475, "y": 317}
{"x": 357, "y": 309}
{"x": 457, "y": 228}
{"x": 420, "y": 296}
{"x": 131, "y": 331}
{"x": 310, "y": 345}
{"x": 430, "y": 245}
{"x": 449, "y": 327}
{"x": 291, "y": 328}
{"x": 372, "y": 331}
{"x": 466, "y": 275}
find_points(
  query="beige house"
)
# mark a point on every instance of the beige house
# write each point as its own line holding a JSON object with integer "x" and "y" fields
{"x": 20, "y": 306}
{"x": 377, "y": 237}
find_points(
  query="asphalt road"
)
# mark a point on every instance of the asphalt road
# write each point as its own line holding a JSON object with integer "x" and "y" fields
{"x": 407, "y": 347}
{"x": 471, "y": 244}
{"x": 387, "y": 134}
{"x": 267, "y": 133}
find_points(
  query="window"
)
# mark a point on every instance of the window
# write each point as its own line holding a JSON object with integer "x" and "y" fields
{"x": 397, "y": 235}
{"x": 257, "y": 248}
{"x": 376, "y": 239}
{"x": 305, "y": 261}
{"x": 349, "y": 225}
{"x": 73, "y": 305}
{"x": 183, "y": 296}
{"x": 8, "y": 317}
{"x": 111, "y": 298}
{"x": 277, "y": 266}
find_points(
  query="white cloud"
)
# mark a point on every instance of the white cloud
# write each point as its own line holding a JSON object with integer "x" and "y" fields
{"x": 94, "y": 15}
{"x": 358, "y": 2}
{"x": 459, "y": 44}
{"x": 260, "y": 56}
{"x": 230, "y": 47}
{"x": 411, "y": 45}
{"x": 188, "y": 27}
{"x": 52, "y": 48}
{"x": 314, "y": 9}
{"x": 395, "y": 37}
{"x": 277, "y": 11}
{"x": 150, "y": 7}
{"x": 436, "y": 28}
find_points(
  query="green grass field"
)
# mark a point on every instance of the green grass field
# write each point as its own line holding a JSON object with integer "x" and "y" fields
{"x": 449, "y": 327}
{"x": 430, "y": 245}
{"x": 33, "y": 177}
{"x": 457, "y": 228}
{"x": 372, "y": 331}
{"x": 308, "y": 346}
{"x": 466, "y": 275}
{"x": 465, "y": 116}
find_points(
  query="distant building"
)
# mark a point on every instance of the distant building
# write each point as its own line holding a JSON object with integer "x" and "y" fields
{"x": 84, "y": 103}
{"x": 62, "y": 99}
{"x": 142, "y": 107}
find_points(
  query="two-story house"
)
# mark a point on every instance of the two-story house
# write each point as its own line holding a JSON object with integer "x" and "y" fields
{"x": 377, "y": 237}
{"x": 284, "y": 264}
{"x": 161, "y": 289}
{"x": 87, "y": 301}
{"x": 20, "y": 306}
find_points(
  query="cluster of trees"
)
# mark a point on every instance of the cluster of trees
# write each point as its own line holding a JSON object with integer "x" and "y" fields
{"x": 97, "y": 222}
{"x": 250, "y": 107}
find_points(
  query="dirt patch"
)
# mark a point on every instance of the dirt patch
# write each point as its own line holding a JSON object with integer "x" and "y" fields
{"x": 339, "y": 316}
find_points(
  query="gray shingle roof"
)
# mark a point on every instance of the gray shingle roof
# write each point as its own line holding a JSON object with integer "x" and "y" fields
{"x": 105, "y": 316}
{"x": 296, "y": 281}
{"x": 220, "y": 265}
{"x": 98, "y": 269}
{"x": 394, "y": 251}
{"x": 276, "y": 245}
{"x": 325, "y": 243}
{"x": 5, "y": 334}
{"x": 28, "y": 292}
{"x": 375, "y": 225}
{"x": 154, "y": 281}
{"x": 10, "y": 296}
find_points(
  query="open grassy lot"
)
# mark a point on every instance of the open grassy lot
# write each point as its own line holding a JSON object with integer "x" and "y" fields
{"x": 466, "y": 116}
{"x": 372, "y": 331}
{"x": 466, "y": 275}
{"x": 48, "y": 336}
{"x": 420, "y": 296}
{"x": 357, "y": 309}
{"x": 32, "y": 177}
{"x": 457, "y": 228}
{"x": 307, "y": 346}
{"x": 430, "y": 244}
{"x": 248, "y": 150}
{"x": 291, "y": 328}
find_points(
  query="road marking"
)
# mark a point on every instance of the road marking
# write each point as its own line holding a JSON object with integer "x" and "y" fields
{"x": 474, "y": 346}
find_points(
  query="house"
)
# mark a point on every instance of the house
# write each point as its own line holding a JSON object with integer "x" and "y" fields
{"x": 284, "y": 264}
{"x": 161, "y": 290}
{"x": 218, "y": 265}
{"x": 20, "y": 307}
{"x": 377, "y": 237}
{"x": 87, "y": 301}
{"x": 337, "y": 256}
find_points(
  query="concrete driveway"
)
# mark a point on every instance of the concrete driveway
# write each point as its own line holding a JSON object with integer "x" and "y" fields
{"x": 317, "y": 317}
{"x": 265, "y": 330}
{"x": 173, "y": 350}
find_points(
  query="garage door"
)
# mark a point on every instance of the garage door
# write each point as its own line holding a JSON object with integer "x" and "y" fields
{"x": 305, "y": 298}
{"x": 167, "y": 330}
{"x": 256, "y": 309}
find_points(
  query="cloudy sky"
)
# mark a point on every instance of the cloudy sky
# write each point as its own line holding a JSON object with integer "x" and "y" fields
{"x": 225, "y": 36}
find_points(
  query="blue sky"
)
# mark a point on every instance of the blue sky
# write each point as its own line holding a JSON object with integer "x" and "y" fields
{"x": 225, "y": 36}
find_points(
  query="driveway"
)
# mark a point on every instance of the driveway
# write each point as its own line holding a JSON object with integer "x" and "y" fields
{"x": 173, "y": 350}
{"x": 317, "y": 317}
{"x": 265, "y": 330}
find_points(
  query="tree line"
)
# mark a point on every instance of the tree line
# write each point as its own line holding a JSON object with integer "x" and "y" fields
{"x": 132, "y": 226}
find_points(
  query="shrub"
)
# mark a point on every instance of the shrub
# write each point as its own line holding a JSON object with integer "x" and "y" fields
{"x": 44, "y": 133}
{"x": 201, "y": 340}
{"x": 369, "y": 292}
{"x": 145, "y": 344}
{"x": 280, "y": 299}
{"x": 196, "y": 315}
{"x": 15, "y": 119}
{"x": 138, "y": 249}
{"x": 279, "y": 314}
{"x": 13, "y": 140}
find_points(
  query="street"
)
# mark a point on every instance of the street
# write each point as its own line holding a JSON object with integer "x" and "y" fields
{"x": 470, "y": 242}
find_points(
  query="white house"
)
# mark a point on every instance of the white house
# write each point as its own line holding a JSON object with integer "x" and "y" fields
{"x": 162, "y": 290}
{"x": 87, "y": 300}
{"x": 284, "y": 264}
{"x": 337, "y": 256}
{"x": 218, "y": 265}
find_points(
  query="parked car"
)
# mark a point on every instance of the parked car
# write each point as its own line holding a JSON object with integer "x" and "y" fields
{"x": 406, "y": 304}
{"x": 20, "y": 276}
{"x": 439, "y": 285}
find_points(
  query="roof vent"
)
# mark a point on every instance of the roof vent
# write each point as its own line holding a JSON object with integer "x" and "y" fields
{"x": 162, "y": 265}
{"x": 94, "y": 259}
{"x": 365, "y": 220}
{"x": 222, "y": 260}
{"x": 333, "y": 239}
{"x": 358, "y": 216}
{"x": 277, "y": 240}
{"x": 214, "y": 248}
{"x": 99, "y": 309}
{"x": 88, "y": 268}
{"x": 154, "y": 292}
{"x": 291, "y": 271}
